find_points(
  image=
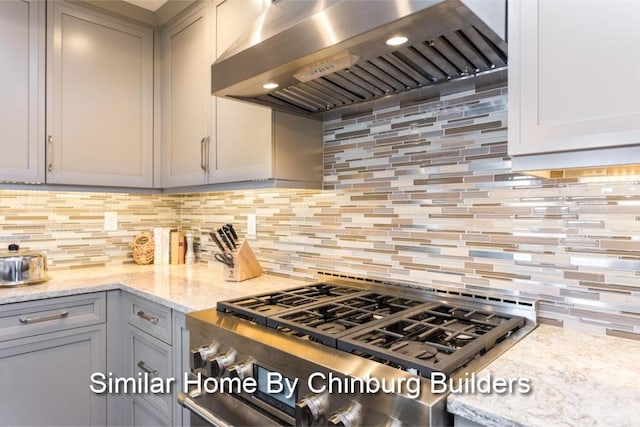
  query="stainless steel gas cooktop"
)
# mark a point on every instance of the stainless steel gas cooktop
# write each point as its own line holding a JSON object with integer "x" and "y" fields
{"x": 413, "y": 333}
{"x": 344, "y": 333}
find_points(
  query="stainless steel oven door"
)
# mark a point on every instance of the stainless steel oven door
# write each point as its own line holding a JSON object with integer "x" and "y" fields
{"x": 222, "y": 410}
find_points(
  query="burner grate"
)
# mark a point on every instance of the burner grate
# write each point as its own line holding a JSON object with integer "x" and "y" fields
{"x": 435, "y": 337}
{"x": 258, "y": 307}
{"x": 417, "y": 332}
{"x": 326, "y": 321}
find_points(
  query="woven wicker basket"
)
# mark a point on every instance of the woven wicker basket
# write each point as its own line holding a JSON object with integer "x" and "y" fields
{"x": 142, "y": 248}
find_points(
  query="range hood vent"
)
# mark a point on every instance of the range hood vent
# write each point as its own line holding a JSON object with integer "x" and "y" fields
{"x": 336, "y": 56}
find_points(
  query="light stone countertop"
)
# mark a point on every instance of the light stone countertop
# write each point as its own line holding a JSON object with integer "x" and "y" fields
{"x": 577, "y": 379}
{"x": 182, "y": 287}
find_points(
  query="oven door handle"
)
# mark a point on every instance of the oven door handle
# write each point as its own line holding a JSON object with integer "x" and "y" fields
{"x": 188, "y": 401}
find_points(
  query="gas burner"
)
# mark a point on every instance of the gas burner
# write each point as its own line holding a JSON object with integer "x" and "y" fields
{"x": 332, "y": 328}
{"x": 416, "y": 349}
{"x": 461, "y": 334}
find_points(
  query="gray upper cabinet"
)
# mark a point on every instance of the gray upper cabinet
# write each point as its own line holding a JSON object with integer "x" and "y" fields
{"x": 252, "y": 142}
{"x": 101, "y": 117}
{"x": 22, "y": 71}
{"x": 99, "y": 99}
{"x": 243, "y": 148}
{"x": 209, "y": 140}
{"x": 185, "y": 133}
{"x": 561, "y": 98}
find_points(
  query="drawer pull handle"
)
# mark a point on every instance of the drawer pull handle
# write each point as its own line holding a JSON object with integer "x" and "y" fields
{"x": 27, "y": 320}
{"x": 145, "y": 316}
{"x": 147, "y": 369}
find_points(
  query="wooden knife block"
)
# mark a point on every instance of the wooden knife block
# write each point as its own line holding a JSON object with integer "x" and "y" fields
{"x": 245, "y": 265}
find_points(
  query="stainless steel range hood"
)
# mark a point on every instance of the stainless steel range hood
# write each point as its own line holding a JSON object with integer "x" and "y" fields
{"x": 325, "y": 55}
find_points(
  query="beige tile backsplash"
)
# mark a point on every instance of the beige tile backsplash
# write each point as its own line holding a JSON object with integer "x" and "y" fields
{"x": 419, "y": 193}
{"x": 69, "y": 225}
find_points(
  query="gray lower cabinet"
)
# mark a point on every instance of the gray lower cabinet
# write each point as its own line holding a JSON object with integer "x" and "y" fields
{"x": 145, "y": 415}
{"x": 181, "y": 351}
{"x": 48, "y": 351}
{"x": 150, "y": 358}
{"x": 153, "y": 344}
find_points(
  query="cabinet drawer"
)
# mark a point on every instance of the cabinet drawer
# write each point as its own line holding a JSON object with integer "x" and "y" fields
{"x": 155, "y": 319}
{"x": 145, "y": 415}
{"x": 151, "y": 356}
{"x": 25, "y": 319}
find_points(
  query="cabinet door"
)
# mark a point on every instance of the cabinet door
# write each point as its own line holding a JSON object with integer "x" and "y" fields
{"x": 99, "y": 99}
{"x": 46, "y": 378}
{"x": 145, "y": 415}
{"x": 181, "y": 351}
{"x": 185, "y": 99}
{"x": 573, "y": 82}
{"x": 22, "y": 49}
{"x": 149, "y": 355}
{"x": 243, "y": 145}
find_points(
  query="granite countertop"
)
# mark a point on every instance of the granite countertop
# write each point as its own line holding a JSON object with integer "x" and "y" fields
{"x": 182, "y": 287}
{"x": 577, "y": 379}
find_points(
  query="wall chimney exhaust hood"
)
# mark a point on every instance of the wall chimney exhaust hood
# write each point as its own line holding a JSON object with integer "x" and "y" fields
{"x": 309, "y": 57}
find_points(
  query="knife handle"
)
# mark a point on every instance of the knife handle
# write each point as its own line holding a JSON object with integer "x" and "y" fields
{"x": 233, "y": 231}
{"x": 227, "y": 232}
{"x": 224, "y": 239}
{"x": 217, "y": 241}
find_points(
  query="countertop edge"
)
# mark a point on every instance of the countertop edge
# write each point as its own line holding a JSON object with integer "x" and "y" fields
{"x": 181, "y": 288}
{"x": 476, "y": 414}
{"x": 87, "y": 289}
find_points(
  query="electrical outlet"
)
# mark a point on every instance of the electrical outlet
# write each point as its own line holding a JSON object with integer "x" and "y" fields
{"x": 251, "y": 225}
{"x": 111, "y": 221}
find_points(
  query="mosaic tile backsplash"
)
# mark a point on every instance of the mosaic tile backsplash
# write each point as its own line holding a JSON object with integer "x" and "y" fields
{"x": 413, "y": 193}
{"x": 68, "y": 226}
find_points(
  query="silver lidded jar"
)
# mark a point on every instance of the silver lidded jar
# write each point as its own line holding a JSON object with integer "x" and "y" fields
{"x": 22, "y": 267}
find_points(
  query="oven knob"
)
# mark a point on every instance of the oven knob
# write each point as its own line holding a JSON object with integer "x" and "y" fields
{"x": 349, "y": 417}
{"x": 200, "y": 355}
{"x": 242, "y": 370}
{"x": 220, "y": 362}
{"x": 311, "y": 408}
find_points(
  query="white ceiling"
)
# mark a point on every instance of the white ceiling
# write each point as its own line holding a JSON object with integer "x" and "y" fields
{"x": 151, "y": 5}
